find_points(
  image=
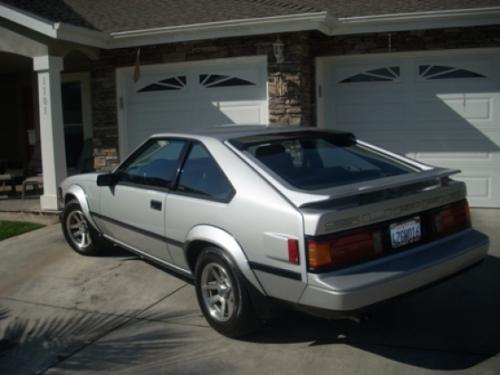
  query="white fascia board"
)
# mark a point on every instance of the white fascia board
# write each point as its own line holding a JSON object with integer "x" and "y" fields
{"x": 28, "y": 20}
{"x": 417, "y": 21}
{"x": 81, "y": 35}
{"x": 223, "y": 29}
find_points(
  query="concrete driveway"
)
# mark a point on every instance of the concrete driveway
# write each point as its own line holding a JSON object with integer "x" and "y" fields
{"x": 64, "y": 313}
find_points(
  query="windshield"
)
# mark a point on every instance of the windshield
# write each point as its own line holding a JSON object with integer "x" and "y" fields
{"x": 316, "y": 161}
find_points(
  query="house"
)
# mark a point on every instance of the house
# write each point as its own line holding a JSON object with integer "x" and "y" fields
{"x": 419, "y": 78}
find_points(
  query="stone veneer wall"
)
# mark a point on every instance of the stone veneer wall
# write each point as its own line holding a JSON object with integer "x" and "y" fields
{"x": 291, "y": 84}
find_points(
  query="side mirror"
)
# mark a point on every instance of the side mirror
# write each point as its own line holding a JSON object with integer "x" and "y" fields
{"x": 108, "y": 179}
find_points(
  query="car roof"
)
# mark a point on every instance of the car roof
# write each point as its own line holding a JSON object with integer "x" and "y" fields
{"x": 225, "y": 132}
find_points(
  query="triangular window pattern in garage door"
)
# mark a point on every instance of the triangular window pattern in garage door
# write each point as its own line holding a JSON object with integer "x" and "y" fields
{"x": 445, "y": 72}
{"x": 385, "y": 74}
{"x": 217, "y": 80}
{"x": 171, "y": 83}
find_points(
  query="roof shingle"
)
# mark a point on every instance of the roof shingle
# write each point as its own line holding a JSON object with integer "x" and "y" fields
{"x": 125, "y": 15}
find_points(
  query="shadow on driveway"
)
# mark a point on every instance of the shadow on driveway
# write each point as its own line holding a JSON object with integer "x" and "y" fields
{"x": 452, "y": 326}
{"x": 32, "y": 346}
{"x": 4, "y": 313}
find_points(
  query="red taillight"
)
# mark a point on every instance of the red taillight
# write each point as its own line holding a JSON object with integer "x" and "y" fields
{"x": 344, "y": 249}
{"x": 452, "y": 218}
{"x": 293, "y": 251}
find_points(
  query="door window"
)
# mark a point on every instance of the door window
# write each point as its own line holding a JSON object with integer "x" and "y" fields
{"x": 71, "y": 93}
{"x": 155, "y": 164}
{"x": 201, "y": 176}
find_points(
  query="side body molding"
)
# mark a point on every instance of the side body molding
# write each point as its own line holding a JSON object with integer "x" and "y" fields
{"x": 226, "y": 242}
{"x": 80, "y": 195}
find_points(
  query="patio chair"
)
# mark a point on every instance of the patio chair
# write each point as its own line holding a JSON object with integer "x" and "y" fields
{"x": 85, "y": 164}
{"x": 35, "y": 170}
{"x": 9, "y": 176}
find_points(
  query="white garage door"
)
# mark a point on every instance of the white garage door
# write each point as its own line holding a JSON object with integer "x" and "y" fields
{"x": 440, "y": 108}
{"x": 190, "y": 95}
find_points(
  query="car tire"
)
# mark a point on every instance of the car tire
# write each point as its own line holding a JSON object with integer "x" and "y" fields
{"x": 79, "y": 233}
{"x": 222, "y": 294}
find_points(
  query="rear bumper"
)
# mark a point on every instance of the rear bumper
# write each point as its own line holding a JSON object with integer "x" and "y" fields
{"x": 367, "y": 284}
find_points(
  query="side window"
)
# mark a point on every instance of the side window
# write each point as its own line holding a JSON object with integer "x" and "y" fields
{"x": 202, "y": 176}
{"x": 155, "y": 164}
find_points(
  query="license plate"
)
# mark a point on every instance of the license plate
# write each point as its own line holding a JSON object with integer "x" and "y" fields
{"x": 406, "y": 232}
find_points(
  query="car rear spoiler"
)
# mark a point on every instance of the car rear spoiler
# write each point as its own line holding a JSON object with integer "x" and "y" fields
{"x": 387, "y": 183}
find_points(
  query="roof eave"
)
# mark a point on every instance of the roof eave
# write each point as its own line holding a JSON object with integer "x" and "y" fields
{"x": 28, "y": 20}
{"x": 222, "y": 29}
{"x": 320, "y": 21}
{"x": 417, "y": 21}
{"x": 81, "y": 35}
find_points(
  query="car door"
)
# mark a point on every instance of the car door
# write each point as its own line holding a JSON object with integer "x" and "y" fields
{"x": 133, "y": 210}
{"x": 200, "y": 197}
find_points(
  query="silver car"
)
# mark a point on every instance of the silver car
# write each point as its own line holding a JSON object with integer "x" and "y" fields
{"x": 317, "y": 219}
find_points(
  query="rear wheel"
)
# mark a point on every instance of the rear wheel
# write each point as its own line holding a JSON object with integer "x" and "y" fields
{"x": 222, "y": 295}
{"x": 79, "y": 233}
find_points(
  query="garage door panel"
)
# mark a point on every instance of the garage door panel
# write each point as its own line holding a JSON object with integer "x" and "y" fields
{"x": 482, "y": 187}
{"x": 455, "y": 107}
{"x": 364, "y": 113}
{"x": 440, "y": 156}
{"x": 205, "y": 116}
{"x": 370, "y": 90}
{"x": 478, "y": 187}
{"x": 158, "y": 119}
{"x": 150, "y": 98}
{"x": 189, "y": 95}
{"x": 390, "y": 141}
{"x": 468, "y": 141}
{"x": 431, "y": 144}
{"x": 441, "y": 110}
{"x": 240, "y": 113}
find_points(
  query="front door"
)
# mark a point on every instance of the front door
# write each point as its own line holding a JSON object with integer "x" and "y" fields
{"x": 133, "y": 211}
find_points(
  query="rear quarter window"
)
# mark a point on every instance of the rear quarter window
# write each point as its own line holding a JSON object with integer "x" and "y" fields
{"x": 202, "y": 177}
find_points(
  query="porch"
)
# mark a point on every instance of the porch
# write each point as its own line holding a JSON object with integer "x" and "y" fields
{"x": 46, "y": 117}
{"x": 16, "y": 204}
{"x": 14, "y": 200}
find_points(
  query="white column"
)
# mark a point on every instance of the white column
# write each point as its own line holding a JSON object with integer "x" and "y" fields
{"x": 51, "y": 128}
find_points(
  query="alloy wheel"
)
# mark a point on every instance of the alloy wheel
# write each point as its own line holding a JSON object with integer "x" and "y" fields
{"x": 217, "y": 291}
{"x": 78, "y": 229}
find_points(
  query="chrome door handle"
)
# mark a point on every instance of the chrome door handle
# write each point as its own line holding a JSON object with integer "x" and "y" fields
{"x": 156, "y": 205}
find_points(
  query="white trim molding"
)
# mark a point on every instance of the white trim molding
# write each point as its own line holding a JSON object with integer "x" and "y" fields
{"x": 222, "y": 29}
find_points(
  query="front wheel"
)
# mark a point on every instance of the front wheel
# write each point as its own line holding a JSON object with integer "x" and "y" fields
{"x": 79, "y": 233}
{"x": 222, "y": 295}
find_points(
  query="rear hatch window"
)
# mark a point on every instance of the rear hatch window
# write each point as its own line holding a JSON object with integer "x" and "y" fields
{"x": 318, "y": 160}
